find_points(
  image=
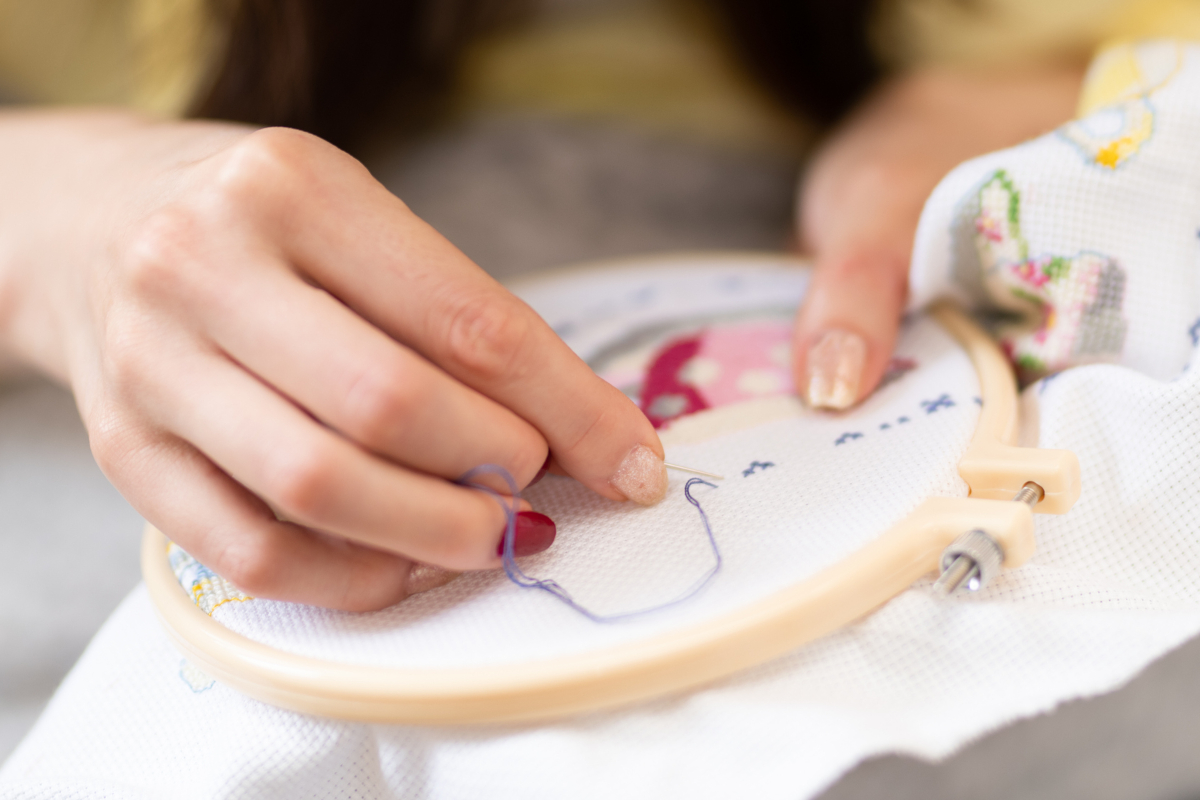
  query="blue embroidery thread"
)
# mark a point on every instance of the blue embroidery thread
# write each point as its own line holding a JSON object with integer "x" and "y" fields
{"x": 551, "y": 587}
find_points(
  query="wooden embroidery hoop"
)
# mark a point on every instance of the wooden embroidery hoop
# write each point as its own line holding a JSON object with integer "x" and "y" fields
{"x": 993, "y": 467}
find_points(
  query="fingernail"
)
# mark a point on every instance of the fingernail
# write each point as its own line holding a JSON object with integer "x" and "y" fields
{"x": 423, "y": 577}
{"x": 641, "y": 477}
{"x": 835, "y": 365}
{"x": 541, "y": 473}
{"x": 534, "y": 533}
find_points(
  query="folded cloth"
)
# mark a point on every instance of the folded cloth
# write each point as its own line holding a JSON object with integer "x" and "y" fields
{"x": 1083, "y": 243}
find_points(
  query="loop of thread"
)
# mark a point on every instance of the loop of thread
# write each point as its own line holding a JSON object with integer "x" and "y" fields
{"x": 551, "y": 587}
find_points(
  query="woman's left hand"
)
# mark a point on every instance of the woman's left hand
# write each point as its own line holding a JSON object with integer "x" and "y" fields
{"x": 863, "y": 194}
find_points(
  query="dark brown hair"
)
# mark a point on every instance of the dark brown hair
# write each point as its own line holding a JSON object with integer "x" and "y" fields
{"x": 814, "y": 54}
{"x": 333, "y": 66}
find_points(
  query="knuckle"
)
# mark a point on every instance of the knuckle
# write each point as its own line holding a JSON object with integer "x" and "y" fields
{"x": 883, "y": 272}
{"x": 298, "y": 483}
{"x": 109, "y": 440}
{"x": 160, "y": 254}
{"x": 850, "y": 269}
{"x": 266, "y": 161}
{"x": 127, "y": 361}
{"x": 380, "y": 404}
{"x": 878, "y": 176}
{"x": 487, "y": 335}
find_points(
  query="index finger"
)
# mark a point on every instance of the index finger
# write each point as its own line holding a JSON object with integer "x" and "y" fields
{"x": 362, "y": 244}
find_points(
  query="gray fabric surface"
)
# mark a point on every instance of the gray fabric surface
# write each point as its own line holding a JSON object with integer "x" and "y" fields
{"x": 525, "y": 194}
{"x": 519, "y": 195}
{"x": 68, "y": 546}
{"x": 1138, "y": 742}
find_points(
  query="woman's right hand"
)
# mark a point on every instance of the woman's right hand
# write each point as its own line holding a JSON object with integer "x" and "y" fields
{"x": 281, "y": 366}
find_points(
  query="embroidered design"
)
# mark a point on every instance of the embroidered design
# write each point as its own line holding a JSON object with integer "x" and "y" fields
{"x": 194, "y": 677}
{"x": 932, "y": 406}
{"x": 1112, "y": 135}
{"x": 1070, "y": 306}
{"x": 757, "y": 466}
{"x": 717, "y": 366}
{"x": 206, "y": 588}
{"x": 1116, "y": 118}
{"x": 944, "y": 400}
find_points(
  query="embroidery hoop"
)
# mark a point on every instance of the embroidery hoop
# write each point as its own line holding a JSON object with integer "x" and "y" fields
{"x": 993, "y": 467}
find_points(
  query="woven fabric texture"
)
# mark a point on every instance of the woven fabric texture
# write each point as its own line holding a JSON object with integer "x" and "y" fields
{"x": 802, "y": 489}
{"x": 1086, "y": 239}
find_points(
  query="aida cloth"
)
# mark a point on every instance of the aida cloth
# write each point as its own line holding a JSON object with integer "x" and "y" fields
{"x": 1081, "y": 248}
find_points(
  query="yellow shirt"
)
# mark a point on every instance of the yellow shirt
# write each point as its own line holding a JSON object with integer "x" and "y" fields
{"x": 149, "y": 54}
{"x": 659, "y": 61}
{"x": 1014, "y": 32}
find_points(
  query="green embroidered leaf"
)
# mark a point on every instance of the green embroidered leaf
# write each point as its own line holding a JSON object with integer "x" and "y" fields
{"x": 1014, "y": 208}
{"x": 1057, "y": 268}
{"x": 1023, "y": 294}
{"x": 1028, "y": 362}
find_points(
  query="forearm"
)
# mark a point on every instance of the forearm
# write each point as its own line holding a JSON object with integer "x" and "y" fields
{"x": 66, "y": 176}
{"x": 868, "y": 183}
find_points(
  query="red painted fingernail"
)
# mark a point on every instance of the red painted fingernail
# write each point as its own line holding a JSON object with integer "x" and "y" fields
{"x": 535, "y": 532}
{"x": 541, "y": 473}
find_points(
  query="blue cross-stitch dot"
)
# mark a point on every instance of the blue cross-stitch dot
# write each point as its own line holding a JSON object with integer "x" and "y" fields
{"x": 932, "y": 406}
{"x": 756, "y": 466}
{"x": 902, "y": 420}
{"x": 848, "y": 436}
{"x": 1194, "y": 332}
{"x": 884, "y": 426}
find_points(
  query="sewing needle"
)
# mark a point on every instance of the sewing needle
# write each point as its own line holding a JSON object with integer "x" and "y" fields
{"x": 694, "y": 471}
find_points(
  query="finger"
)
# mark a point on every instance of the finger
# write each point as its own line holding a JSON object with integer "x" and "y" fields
{"x": 235, "y": 534}
{"x": 357, "y": 380}
{"x": 316, "y": 478}
{"x": 363, "y": 245}
{"x": 847, "y": 326}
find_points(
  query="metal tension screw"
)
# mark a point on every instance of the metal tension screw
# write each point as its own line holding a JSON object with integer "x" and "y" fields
{"x": 974, "y": 558}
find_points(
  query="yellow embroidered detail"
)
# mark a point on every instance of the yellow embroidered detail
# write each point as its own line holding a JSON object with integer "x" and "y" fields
{"x": 208, "y": 590}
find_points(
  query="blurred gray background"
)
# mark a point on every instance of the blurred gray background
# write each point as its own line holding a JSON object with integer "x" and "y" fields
{"x": 518, "y": 194}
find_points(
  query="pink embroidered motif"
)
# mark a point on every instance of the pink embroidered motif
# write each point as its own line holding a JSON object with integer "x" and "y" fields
{"x": 719, "y": 366}
{"x": 665, "y": 396}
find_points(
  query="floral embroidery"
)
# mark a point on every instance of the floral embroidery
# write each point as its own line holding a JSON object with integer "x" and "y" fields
{"x": 1113, "y": 135}
{"x": 206, "y": 588}
{"x": 1116, "y": 117}
{"x": 1070, "y": 307}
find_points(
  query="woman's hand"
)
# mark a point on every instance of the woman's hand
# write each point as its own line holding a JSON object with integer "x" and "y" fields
{"x": 863, "y": 194}
{"x": 278, "y": 364}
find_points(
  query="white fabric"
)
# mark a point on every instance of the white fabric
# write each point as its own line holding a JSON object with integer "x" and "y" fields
{"x": 1098, "y": 255}
{"x": 775, "y": 526}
